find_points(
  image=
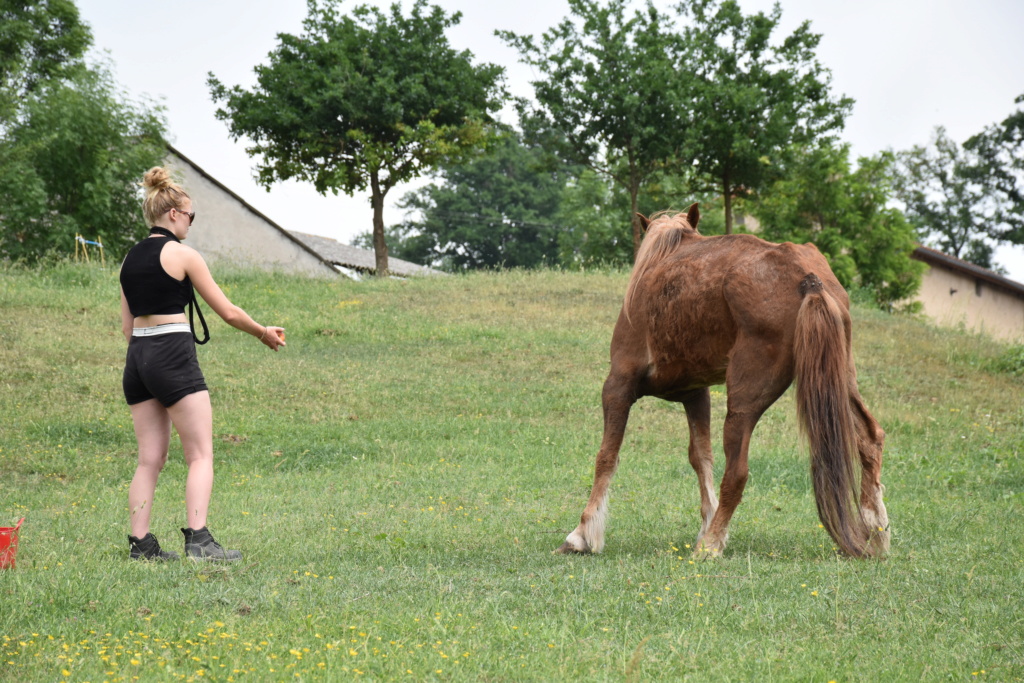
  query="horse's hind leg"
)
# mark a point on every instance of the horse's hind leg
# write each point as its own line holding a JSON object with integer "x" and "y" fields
{"x": 755, "y": 380}
{"x": 617, "y": 398}
{"x": 698, "y": 416}
{"x": 870, "y": 439}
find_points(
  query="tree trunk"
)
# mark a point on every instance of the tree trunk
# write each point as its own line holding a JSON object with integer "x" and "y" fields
{"x": 380, "y": 247}
{"x": 638, "y": 232}
{"x": 727, "y": 199}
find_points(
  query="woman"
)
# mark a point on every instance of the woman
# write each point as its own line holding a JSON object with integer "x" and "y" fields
{"x": 162, "y": 382}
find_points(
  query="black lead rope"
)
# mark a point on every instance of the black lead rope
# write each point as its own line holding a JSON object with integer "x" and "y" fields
{"x": 202, "y": 321}
{"x": 193, "y": 304}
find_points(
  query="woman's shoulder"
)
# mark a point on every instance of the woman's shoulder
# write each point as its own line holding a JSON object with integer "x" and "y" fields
{"x": 180, "y": 250}
{"x": 187, "y": 258}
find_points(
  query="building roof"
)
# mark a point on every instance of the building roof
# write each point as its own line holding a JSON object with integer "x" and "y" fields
{"x": 937, "y": 258}
{"x": 355, "y": 258}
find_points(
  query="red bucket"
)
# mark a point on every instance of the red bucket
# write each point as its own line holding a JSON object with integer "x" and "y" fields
{"x": 9, "y": 544}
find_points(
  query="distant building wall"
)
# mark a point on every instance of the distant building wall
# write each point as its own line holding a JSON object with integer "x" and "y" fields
{"x": 227, "y": 230}
{"x": 955, "y": 293}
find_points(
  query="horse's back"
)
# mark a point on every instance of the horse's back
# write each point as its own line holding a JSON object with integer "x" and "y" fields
{"x": 713, "y": 278}
{"x": 762, "y": 287}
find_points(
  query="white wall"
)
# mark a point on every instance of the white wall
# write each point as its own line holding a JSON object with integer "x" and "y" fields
{"x": 951, "y": 298}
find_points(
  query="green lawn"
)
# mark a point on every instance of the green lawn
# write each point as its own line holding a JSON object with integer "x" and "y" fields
{"x": 399, "y": 475}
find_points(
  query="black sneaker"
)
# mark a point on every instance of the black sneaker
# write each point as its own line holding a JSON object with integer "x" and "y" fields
{"x": 148, "y": 548}
{"x": 199, "y": 545}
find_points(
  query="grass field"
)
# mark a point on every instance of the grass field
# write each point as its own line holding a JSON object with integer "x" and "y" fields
{"x": 399, "y": 475}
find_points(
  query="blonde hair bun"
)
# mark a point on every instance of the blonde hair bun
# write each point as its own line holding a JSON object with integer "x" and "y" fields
{"x": 157, "y": 178}
{"x": 162, "y": 193}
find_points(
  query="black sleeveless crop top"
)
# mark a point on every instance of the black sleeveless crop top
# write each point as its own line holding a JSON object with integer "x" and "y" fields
{"x": 147, "y": 286}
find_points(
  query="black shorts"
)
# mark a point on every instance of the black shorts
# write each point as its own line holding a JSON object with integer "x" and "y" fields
{"x": 162, "y": 366}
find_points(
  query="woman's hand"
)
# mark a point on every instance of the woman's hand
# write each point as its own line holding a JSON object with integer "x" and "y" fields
{"x": 273, "y": 337}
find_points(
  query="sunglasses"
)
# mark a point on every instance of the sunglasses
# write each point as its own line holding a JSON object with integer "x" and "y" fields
{"x": 191, "y": 214}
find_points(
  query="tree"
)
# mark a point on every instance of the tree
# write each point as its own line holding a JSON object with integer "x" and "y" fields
{"x": 593, "y": 211}
{"x": 366, "y": 100}
{"x": 998, "y": 153}
{"x": 754, "y": 99}
{"x": 72, "y": 146}
{"x": 498, "y": 208}
{"x": 844, "y": 212}
{"x": 948, "y": 198}
{"x": 40, "y": 41}
{"x": 71, "y": 164}
{"x": 520, "y": 204}
{"x": 610, "y": 87}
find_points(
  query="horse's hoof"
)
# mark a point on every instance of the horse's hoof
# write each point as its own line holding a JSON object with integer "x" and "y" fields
{"x": 878, "y": 544}
{"x": 704, "y": 552}
{"x": 568, "y": 548}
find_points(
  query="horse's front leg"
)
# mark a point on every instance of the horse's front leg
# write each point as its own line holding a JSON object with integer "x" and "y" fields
{"x": 698, "y": 417}
{"x": 617, "y": 398}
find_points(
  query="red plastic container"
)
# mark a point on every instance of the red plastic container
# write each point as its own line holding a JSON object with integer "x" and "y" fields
{"x": 9, "y": 544}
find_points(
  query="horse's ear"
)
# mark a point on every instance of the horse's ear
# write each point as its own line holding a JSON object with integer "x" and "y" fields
{"x": 644, "y": 221}
{"x": 693, "y": 216}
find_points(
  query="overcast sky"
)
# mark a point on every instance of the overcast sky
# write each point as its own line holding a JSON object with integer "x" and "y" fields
{"x": 911, "y": 65}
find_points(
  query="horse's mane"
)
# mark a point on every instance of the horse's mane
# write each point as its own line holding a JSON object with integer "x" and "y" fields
{"x": 660, "y": 241}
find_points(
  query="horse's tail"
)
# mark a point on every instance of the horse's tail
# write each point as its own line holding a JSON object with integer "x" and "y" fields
{"x": 823, "y": 372}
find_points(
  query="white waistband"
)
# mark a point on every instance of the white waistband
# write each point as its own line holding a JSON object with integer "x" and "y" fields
{"x": 166, "y": 328}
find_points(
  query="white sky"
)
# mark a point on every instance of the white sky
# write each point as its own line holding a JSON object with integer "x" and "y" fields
{"x": 911, "y": 65}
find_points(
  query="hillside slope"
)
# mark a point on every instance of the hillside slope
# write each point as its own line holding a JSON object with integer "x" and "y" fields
{"x": 404, "y": 467}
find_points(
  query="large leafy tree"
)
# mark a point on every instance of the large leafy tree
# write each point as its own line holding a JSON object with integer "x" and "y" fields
{"x": 71, "y": 163}
{"x": 998, "y": 155}
{"x": 610, "y": 86}
{"x": 949, "y": 199}
{"x": 366, "y": 100}
{"x": 756, "y": 97}
{"x": 498, "y": 208}
{"x": 821, "y": 198}
{"x": 40, "y": 41}
{"x": 72, "y": 145}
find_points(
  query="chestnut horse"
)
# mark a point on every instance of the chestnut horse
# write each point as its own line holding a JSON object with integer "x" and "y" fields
{"x": 700, "y": 311}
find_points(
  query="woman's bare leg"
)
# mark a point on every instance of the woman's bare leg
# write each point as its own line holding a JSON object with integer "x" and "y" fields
{"x": 153, "y": 433}
{"x": 193, "y": 419}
